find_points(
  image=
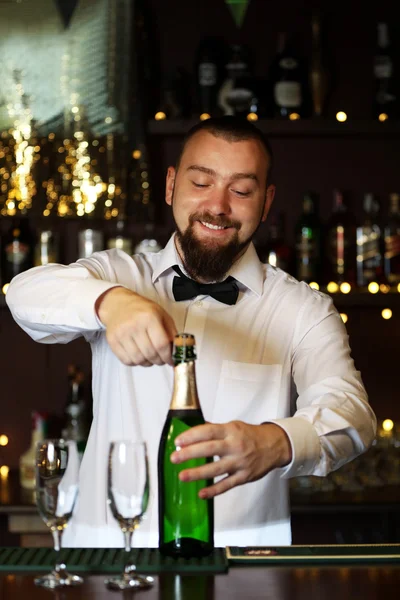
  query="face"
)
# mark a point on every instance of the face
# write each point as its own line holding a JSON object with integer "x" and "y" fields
{"x": 219, "y": 198}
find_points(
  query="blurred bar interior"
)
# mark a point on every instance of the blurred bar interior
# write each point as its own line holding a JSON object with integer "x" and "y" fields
{"x": 95, "y": 96}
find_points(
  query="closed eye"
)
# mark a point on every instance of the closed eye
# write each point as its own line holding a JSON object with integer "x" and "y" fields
{"x": 199, "y": 185}
{"x": 243, "y": 194}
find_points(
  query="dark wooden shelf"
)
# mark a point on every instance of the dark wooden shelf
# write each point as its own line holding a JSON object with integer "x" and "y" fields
{"x": 314, "y": 128}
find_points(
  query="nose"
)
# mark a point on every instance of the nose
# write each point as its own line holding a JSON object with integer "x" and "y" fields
{"x": 218, "y": 203}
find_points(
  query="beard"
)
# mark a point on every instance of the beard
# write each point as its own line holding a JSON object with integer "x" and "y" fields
{"x": 209, "y": 261}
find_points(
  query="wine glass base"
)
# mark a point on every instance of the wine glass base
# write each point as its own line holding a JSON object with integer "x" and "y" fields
{"x": 54, "y": 580}
{"x": 129, "y": 583}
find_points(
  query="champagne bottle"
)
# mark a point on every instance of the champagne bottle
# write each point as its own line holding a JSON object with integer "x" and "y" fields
{"x": 186, "y": 522}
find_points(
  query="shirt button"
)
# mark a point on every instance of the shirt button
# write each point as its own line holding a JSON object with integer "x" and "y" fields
{"x": 199, "y": 303}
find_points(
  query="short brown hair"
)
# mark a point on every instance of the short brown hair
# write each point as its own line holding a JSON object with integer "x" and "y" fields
{"x": 231, "y": 129}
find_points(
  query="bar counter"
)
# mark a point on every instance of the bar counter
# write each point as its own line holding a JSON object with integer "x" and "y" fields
{"x": 370, "y": 582}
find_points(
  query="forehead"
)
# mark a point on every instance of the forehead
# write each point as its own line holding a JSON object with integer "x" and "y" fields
{"x": 213, "y": 151}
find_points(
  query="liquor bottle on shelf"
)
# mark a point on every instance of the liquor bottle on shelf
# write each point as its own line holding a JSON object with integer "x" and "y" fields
{"x": 319, "y": 76}
{"x": 46, "y": 248}
{"x": 209, "y": 74}
{"x": 308, "y": 242}
{"x": 288, "y": 80}
{"x": 17, "y": 249}
{"x": 341, "y": 243}
{"x": 277, "y": 252}
{"x": 239, "y": 93}
{"x": 27, "y": 461}
{"x": 90, "y": 240}
{"x": 176, "y": 99}
{"x": 391, "y": 233}
{"x": 186, "y": 522}
{"x": 120, "y": 238}
{"x": 149, "y": 243}
{"x": 76, "y": 418}
{"x": 369, "y": 240}
{"x": 385, "y": 103}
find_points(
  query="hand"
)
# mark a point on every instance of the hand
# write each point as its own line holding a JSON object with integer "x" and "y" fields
{"x": 247, "y": 453}
{"x": 138, "y": 330}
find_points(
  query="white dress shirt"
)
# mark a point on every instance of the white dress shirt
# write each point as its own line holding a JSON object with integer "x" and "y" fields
{"x": 279, "y": 354}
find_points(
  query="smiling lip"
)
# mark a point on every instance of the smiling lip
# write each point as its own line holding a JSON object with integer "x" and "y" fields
{"x": 215, "y": 229}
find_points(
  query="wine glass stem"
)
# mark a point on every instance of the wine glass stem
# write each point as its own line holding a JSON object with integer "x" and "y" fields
{"x": 59, "y": 567}
{"x": 129, "y": 567}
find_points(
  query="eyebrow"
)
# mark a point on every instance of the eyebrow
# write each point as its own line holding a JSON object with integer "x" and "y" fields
{"x": 234, "y": 176}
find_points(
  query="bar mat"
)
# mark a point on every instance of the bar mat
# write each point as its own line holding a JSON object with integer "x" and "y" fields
{"x": 108, "y": 560}
{"x": 333, "y": 554}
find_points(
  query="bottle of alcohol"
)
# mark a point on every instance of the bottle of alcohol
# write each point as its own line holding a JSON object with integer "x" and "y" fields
{"x": 385, "y": 98}
{"x": 27, "y": 461}
{"x": 148, "y": 243}
{"x": 186, "y": 522}
{"x": 120, "y": 238}
{"x": 278, "y": 252}
{"x": 46, "y": 248}
{"x": 319, "y": 77}
{"x": 392, "y": 241}
{"x": 239, "y": 93}
{"x": 209, "y": 72}
{"x": 17, "y": 249}
{"x": 341, "y": 243}
{"x": 90, "y": 240}
{"x": 288, "y": 80}
{"x": 369, "y": 256}
{"x": 76, "y": 422}
{"x": 308, "y": 242}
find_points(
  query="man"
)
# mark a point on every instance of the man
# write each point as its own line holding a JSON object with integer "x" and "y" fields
{"x": 276, "y": 381}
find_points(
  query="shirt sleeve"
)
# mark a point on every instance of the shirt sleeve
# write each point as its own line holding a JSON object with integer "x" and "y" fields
{"x": 56, "y": 303}
{"x": 333, "y": 422}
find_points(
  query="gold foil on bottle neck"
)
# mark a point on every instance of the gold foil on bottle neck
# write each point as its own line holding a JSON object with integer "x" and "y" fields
{"x": 184, "y": 396}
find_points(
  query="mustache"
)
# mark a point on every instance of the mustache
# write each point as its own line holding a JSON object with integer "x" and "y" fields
{"x": 219, "y": 221}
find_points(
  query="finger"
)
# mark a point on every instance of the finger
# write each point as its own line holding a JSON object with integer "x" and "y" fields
{"x": 132, "y": 350}
{"x": 127, "y": 359}
{"x": 201, "y": 433}
{"x": 146, "y": 348}
{"x": 161, "y": 342}
{"x": 227, "y": 483}
{"x": 121, "y": 353}
{"x": 208, "y": 471}
{"x": 200, "y": 450}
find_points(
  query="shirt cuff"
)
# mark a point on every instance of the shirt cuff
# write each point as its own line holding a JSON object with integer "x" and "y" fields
{"x": 306, "y": 447}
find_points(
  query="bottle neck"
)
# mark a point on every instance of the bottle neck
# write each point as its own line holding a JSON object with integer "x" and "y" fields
{"x": 184, "y": 395}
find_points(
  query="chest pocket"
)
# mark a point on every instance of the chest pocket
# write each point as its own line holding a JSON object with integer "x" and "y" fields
{"x": 247, "y": 392}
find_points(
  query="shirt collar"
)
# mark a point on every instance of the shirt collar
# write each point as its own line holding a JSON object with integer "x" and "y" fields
{"x": 248, "y": 270}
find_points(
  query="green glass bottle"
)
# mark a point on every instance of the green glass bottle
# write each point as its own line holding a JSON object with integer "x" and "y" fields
{"x": 186, "y": 522}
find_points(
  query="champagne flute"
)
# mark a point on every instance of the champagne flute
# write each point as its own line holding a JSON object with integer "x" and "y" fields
{"x": 128, "y": 497}
{"x": 57, "y": 471}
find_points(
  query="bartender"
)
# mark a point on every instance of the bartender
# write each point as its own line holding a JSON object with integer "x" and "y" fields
{"x": 277, "y": 383}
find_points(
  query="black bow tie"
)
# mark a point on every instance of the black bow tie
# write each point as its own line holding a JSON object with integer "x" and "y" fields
{"x": 184, "y": 288}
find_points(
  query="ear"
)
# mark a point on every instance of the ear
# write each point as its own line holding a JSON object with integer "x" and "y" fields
{"x": 169, "y": 185}
{"x": 269, "y": 197}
